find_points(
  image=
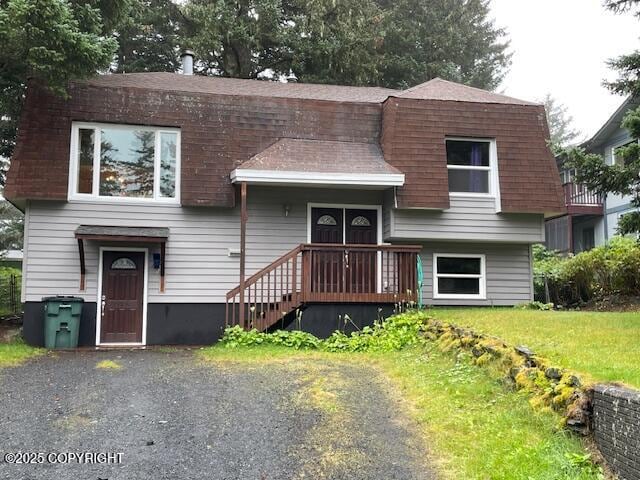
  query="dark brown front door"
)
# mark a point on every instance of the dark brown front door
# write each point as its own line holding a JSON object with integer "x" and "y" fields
{"x": 342, "y": 271}
{"x": 326, "y": 225}
{"x": 326, "y": 267}
{"x": 361, "y": 228}
{"x": 122, "y": 297}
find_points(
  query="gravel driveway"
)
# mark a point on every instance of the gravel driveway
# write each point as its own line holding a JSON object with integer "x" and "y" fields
{"x": 173, "y": 416}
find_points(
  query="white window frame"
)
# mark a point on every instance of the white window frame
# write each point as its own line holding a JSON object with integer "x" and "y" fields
{"x": 494, "y": 186}
{"x": 619, "y": 144}
{"x": 74, "y": 159}
{"x": 482, "y": 277}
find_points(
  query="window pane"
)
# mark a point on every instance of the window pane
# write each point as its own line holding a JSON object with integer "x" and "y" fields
{"x": 85, "y": 160}
{"x": 168, "y": 145}
{"x": 326, "y": 220}
{"x": 123, "y": 263}
{"x": 469, "y": 181}
{"x": 467, "y": 153}
{"x": 126, "y": 163}
{"x": 459, "y": 286}
{"x": 617, "y": 153}
{"x": 459, "y": 265}
{"x": 360, "y": 221}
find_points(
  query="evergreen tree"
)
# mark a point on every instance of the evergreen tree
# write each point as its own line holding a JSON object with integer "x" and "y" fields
{"x": 148, "y": 38}
{"x": 396, "y": 43}
{"x": 50, "y": 42}
{"x": 560, "y": 122}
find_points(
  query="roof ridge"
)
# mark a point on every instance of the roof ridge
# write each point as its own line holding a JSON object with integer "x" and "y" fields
{"x": 458, "y": 85}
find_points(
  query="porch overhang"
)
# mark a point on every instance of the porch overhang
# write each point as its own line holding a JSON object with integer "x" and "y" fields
{"x": 293, "y": 178}
{"x": 301, "y": 162}
{"x": 147, "y": 235}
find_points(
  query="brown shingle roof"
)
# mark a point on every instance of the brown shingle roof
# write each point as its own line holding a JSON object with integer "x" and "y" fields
{"x": 297, "y": 155}
{"x": 238, "y": 86}
{"x": 438, "y": 89}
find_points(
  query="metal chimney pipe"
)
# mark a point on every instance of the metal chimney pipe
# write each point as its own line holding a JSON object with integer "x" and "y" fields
{"x": 187, "y": 62}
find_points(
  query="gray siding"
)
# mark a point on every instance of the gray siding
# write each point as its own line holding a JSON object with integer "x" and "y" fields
{"x": 198, "y": 266}
{"x": 469, "y": 219}
{"x": 508, "y": 272}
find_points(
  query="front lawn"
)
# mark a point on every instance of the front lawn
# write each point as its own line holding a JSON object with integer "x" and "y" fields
{"x": 601, "y": 346}
{"x": 474, "y": 427}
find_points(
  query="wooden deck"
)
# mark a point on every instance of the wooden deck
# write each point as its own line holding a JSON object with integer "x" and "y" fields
{"x": 324, "y": 273}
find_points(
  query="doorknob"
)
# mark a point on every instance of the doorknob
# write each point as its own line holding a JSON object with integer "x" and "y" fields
{"x": 104, "y": 301}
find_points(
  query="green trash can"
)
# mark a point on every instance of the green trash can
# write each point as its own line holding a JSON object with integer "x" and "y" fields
{"x": 62, "y": 321}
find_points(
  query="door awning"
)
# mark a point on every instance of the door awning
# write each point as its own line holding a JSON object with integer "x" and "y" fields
{"x": 294, "y": 161}
{"x": 125, "y": 235}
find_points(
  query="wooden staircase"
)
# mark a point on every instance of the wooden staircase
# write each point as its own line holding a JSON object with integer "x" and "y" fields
{"x": 324, "y": 273}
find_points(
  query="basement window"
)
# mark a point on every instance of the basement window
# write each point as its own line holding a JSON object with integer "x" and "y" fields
{"x": 459, "y": 276}
{"x": 471, "y": 166}
{"x": 121, "y": 162}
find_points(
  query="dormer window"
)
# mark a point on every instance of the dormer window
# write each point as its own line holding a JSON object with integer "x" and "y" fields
{"x": 118, "y": 162}
{"x": 471, "y": 165}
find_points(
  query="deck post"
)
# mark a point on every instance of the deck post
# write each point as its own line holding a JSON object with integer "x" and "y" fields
{"x": 243, "y": 252}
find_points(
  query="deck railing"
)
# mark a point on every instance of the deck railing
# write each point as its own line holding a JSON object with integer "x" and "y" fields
{"x": 579, "y": 194}
{"x": 324, "y": 273}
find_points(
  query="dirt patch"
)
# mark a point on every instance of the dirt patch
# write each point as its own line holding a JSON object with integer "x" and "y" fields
{"x": 9, "y": 332}
{"x": 614, "y": 303}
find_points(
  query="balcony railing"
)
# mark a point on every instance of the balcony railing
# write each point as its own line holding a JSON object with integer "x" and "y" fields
{"x": 324, "y": 273}
{"x": 577, "y": 194}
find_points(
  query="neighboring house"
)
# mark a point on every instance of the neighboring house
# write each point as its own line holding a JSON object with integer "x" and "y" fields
{"x": 591, "y": 219}
{"x": 174, "y": 204}
{"x": 11, "y": 258}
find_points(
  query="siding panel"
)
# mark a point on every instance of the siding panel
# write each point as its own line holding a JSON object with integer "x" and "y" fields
{"x": 469, "y": 219}
{"x": 198, "y": 266}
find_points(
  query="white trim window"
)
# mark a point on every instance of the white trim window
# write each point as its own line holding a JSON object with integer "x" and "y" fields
{"x": 472, "y": 166}
{"x": 459, "y": 276}
{"x": 615, "y": 160}
{"x": 124, "y": 163}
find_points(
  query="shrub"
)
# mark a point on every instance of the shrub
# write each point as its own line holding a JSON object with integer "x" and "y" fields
{"x": 611, "y": 269}
{"x": 5, "y": 294}
{"x": 389, "y": 335}
{"x": 535, "y": 306}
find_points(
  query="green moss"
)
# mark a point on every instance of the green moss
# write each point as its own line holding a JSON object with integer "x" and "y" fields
{"x": 563, "y": 395}
{"x": 484, "y": 359}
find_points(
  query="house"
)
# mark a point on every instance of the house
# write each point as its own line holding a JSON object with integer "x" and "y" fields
{"x": 11, "y": 258}
{"x": 175, "y": 204}
{"x": 591, "y": 219}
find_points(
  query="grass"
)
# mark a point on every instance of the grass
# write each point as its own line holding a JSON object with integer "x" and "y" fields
{"x": 15, "y": 353}
{"x": 474, "y": 426}
{"x": 108, "y": 365}
{"x": 602, "y": 346}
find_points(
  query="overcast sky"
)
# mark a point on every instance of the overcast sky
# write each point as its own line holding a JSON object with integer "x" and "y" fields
{"x": 560, "y": 47}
